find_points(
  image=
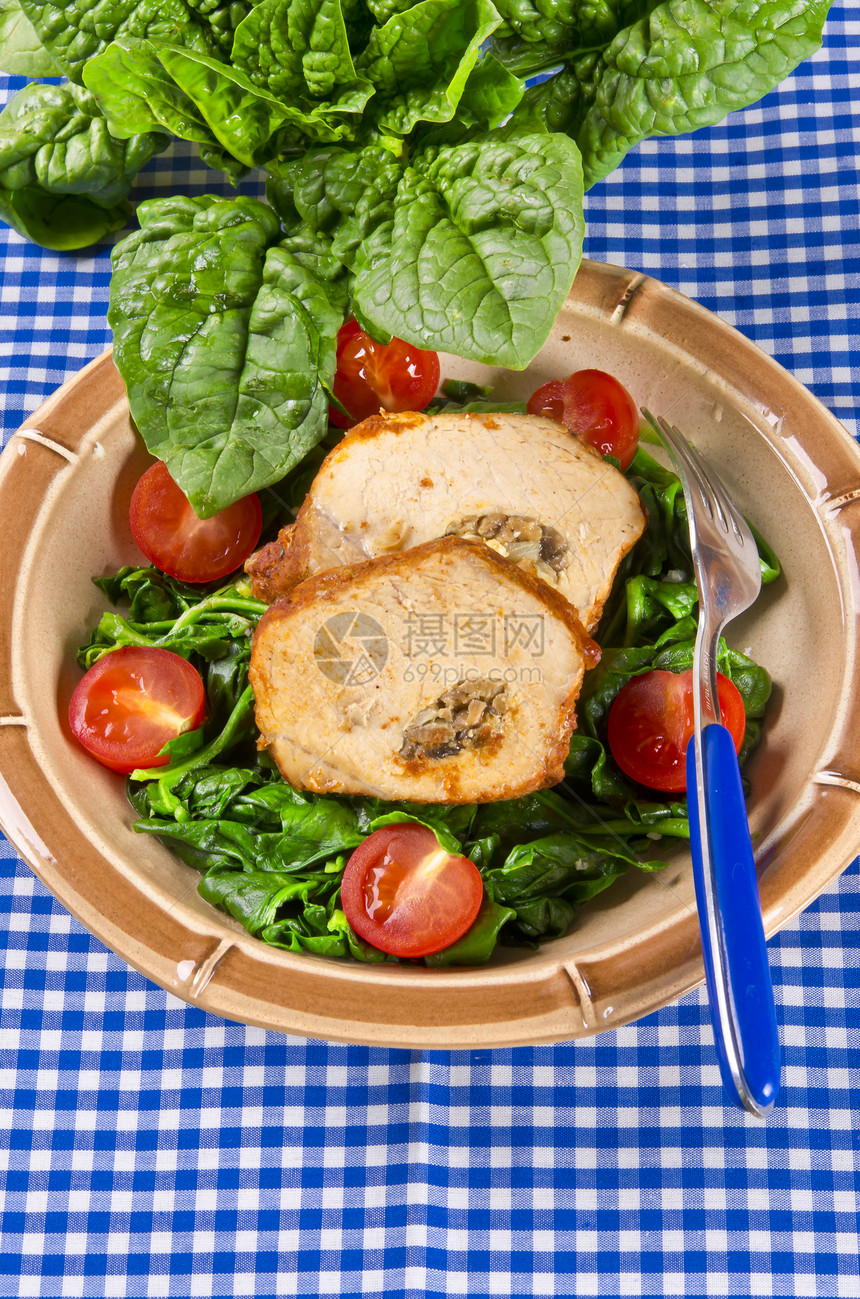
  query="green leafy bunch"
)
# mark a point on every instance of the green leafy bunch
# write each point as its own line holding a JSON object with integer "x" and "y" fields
{"x": 415, "y": 178}
{"x": 273, "y": 857}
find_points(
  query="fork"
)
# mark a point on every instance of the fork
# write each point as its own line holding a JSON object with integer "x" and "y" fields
{"x": 728, "y": 577}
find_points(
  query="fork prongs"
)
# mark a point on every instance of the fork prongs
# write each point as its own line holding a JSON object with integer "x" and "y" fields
{"x": 681, "y": 451}
{"x": 692, "y": 465}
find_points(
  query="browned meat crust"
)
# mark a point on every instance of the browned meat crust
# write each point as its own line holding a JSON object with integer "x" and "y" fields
{"x": 397, "y": 481}
{"x": 331, "y": 729}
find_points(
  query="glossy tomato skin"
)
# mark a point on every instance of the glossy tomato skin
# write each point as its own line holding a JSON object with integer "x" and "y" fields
{"x": 594, "y": 406}
{"x": 174, "y": 539}
{"x": 405, "y": 895}
{"x": 651, "y": 722}
{"x": 371, "y": 375}
{"x": 131, "y": 702}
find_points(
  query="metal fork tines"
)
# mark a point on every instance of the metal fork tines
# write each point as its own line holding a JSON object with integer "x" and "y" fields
{"x": 728, "y": 577}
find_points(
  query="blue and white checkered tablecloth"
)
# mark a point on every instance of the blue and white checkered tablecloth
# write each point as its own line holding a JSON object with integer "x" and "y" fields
{"x": 150, "y": 1149}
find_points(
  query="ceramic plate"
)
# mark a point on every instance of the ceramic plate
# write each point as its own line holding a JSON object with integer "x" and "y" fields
{"x": 65, "y": 482}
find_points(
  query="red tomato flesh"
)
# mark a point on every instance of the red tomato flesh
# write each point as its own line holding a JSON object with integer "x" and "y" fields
{"x": 371, "y": 376}
{"x": 131, "y": 702}
{"x": 407, "y": 896}
{"x": 651, "y": 722}
{"x": 182, "y": 545}
{"x": 594, "y": 406}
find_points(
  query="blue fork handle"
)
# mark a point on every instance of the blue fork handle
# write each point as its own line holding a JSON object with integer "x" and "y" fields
{"x": 748, "y": 1018}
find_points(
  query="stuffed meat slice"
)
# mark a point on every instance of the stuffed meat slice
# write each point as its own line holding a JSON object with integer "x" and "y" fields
{"x": 442, "y": 674}
{"x": 521, "y": 484}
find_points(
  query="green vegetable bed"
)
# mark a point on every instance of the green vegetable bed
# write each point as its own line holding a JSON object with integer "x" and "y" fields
{"x": 274, "y": 857}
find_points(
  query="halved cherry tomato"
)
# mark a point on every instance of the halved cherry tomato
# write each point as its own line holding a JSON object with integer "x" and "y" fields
{"x": 182, "y": 545}
{"x": 651, "y": 721}
{"x": 371, "y": 375}
{"x": 405, "y": 895}
{"x": 594, "y": 406}
{"x": 131, "y": 702}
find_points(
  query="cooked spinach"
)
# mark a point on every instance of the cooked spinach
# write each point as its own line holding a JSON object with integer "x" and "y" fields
{"x": 273, "y": 857}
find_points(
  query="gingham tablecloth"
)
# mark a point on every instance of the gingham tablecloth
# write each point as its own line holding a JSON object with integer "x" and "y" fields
{"x": 149, "y": 1149}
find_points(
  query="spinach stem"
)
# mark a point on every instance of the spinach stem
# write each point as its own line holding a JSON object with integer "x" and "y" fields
{"x": 220, "y": 603}
{"x": 169, "y": 776}
{"x": 121, "y": 630}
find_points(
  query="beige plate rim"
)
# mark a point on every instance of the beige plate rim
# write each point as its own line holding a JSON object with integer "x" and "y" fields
{"x": 203, "y": 958}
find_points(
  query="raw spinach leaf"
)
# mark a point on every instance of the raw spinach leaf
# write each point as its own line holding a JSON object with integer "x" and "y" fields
{"x": 298, "y": 50}
{"x": 135, "y": 93}
{"x": 76, "y": 31}
{"x": 382, "y": 10}
{"x": 63, "y": 223}
{"x": 574, "y": 23}
{"x": 458, "y": 247}
{"x": 678, "y": 65}
{"x": 198, "y": 98}
{"x": 470, "y": 248}
{"x": 245, "y": 119}
{"x": 63, "y": 175}
{"x": 238, "y": 122}
{"x": 22, "y": 54}
{"x": 314, "y": 252}
{"x": 491, "y": 94}
{"x": 220, "y": 21}
{"x": 347, "y": 191}
{"x": 420, "y": 60}
{"x": 226, "y": 343}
